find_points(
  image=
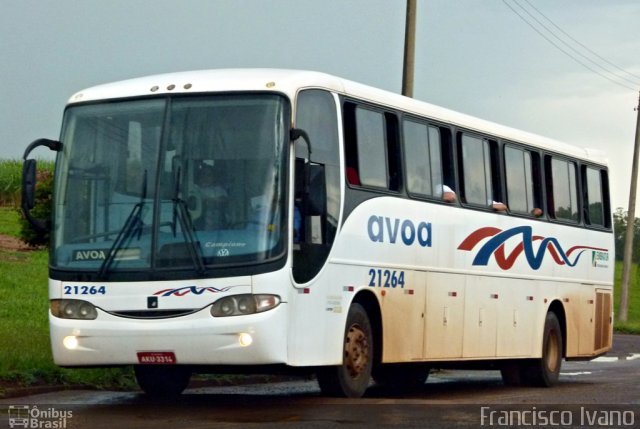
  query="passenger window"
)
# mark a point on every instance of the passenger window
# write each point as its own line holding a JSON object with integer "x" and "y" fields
{"x": 565, "y": 195}
{"x": 595, "y": 197}
{"x": 423, "y": 159}
{"x": 522, "y": 181}
{"x": 477, "y": 171}
{"x": 372, "y": 157}
{"x": 371, "y": 147}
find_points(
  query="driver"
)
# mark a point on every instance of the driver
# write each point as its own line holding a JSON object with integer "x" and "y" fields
{"x": 213, "y": 196}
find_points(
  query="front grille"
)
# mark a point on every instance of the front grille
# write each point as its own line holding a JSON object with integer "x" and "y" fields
{"x": 154, "y": 314}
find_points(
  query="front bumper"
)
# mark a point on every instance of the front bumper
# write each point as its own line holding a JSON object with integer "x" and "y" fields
{"x": 195, "y": 339}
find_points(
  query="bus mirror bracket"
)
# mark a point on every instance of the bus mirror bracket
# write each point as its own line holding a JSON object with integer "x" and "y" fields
{"x": 296, "y": 133}
{"x": 29, "y": 182}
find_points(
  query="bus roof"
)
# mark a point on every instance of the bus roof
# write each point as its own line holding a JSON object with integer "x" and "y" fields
{"x": 289, "y": 82}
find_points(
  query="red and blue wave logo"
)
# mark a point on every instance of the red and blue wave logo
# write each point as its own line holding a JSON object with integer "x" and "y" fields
{"x": 495, "y": 247}
{"x": 190, "y": 290}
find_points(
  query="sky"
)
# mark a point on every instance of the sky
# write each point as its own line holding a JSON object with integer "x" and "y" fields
{"x": 474, "y": 56}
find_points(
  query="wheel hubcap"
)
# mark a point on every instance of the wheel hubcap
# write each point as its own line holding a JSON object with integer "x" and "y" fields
{"x": 553, "y": 352}
{"x": 356, "y": 351}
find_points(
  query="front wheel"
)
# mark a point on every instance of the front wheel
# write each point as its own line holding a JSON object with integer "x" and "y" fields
{"x": 351, "y": 379}
{"x": 162, "y": 380}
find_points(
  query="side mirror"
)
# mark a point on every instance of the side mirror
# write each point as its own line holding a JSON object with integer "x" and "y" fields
{"x": 316, "y": 192}
{"x": 29, "y": 182}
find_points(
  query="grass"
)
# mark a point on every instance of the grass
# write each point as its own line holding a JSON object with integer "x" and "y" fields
{"x": 9, "y": 222}
{"x": 25, "y": 354}
{"x": 632, "y": 326}
{"x": 10, "y": 178}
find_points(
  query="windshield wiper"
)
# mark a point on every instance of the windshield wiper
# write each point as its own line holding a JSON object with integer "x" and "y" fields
{"x": 182, "y": 215}
{"x": 132, "y": 225}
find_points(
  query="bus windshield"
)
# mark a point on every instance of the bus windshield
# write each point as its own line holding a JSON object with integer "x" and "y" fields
{"x": 184, "y": 183}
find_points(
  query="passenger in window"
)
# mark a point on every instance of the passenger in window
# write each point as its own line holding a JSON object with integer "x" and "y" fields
{"x": 498, "y": 206}
{"x": 352, "y": 176}
{"x": 446, "y": 193}
{"x": 537, "y": 212}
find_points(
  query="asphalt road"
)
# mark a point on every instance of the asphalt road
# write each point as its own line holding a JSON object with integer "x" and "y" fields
{"x": 600, "y": 393}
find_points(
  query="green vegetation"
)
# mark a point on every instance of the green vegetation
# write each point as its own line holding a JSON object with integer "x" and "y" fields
{"x": 42, "y": 210}
{"x": 10, "y": 197}
{"x": 25, "y": 357}
{"x": 9, "y": 219}
{"x": 11, "y": 178}
{"x": 632, "y": 326}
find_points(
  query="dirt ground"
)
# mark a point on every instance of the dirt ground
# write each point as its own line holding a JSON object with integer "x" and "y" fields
{"x": 13, "y": 244}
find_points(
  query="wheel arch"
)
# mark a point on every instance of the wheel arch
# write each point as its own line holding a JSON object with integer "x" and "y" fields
{"x": 369, "y": 301}
{"x": 557, "y": 308}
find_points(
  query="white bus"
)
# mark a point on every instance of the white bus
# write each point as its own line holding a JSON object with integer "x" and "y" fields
{"x": 267, "y": 220}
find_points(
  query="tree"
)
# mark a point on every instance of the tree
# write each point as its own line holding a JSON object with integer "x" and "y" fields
{"x": 620, "y": 219}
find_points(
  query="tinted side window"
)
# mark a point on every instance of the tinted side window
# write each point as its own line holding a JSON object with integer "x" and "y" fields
{"x": 522, "y": 183}
{"x": 371, "y": 147}
{"x": 423, "y": 159}
{"x": 316, "y": 114}
{"x": 596, "y": 201}
{"x": 476, "y": 170}
{"x": 564, "y": 194}
{"x": 314, "y": 232}
{"x": 372, "y": 153}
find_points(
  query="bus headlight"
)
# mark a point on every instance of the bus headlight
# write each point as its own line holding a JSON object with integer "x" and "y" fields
{"x": 73, "y": 309}
{"x": 239, "y": 305}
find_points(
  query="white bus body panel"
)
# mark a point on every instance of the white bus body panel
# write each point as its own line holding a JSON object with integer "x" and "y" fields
{"x": 462, "y": 310}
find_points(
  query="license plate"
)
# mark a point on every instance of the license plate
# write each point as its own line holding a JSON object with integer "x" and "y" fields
{"x": 157, "y": 358}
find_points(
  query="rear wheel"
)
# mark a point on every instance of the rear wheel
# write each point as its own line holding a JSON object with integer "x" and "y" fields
{"x": 512, "y": 373}
{"x": 351, "y": 379}
{"x": 161, "y": 380}
{"x": 545, "y": 372}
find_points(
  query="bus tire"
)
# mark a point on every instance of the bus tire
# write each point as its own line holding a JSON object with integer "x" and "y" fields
{"x": 162, "y": 381}
{"x": 545, "y": 372}
{"x": 351, "y": 379}
{"x": 401, "y": 376}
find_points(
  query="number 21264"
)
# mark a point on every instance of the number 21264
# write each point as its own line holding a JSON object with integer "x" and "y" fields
{"x": 386, "y": 278}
